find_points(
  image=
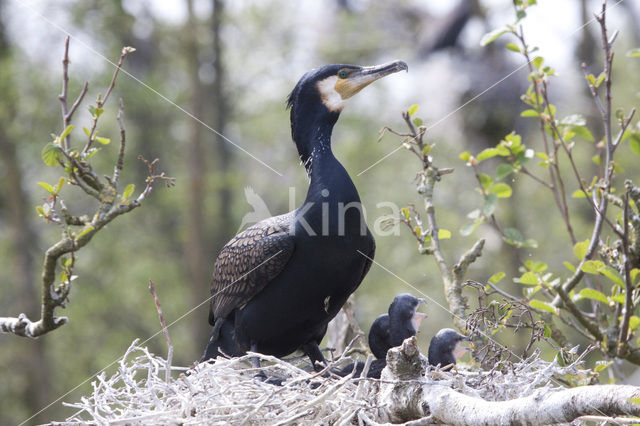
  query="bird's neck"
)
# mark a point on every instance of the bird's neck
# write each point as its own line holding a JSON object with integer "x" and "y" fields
{"x": 332, "y": 205}
{"x": 330, "y": 182}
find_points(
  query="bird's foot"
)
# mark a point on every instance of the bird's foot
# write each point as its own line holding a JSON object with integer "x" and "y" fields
{"x": 269, "y": 380}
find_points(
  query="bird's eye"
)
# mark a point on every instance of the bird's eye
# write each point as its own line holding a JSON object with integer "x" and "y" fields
{"x": 342, "y": 74}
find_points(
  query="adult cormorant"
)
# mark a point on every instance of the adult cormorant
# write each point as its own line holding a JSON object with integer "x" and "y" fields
{"x": 388, "y": 331}
{"x": 445, "y": 348}
{"x": 277, "y": 284}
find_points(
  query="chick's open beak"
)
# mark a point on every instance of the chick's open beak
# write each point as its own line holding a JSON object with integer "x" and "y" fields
{"x": 361, "y": 78}
{"x": 417, "y": 319}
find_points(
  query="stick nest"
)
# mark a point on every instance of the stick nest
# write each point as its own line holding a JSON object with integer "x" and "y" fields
{"x": 226, "y": 391}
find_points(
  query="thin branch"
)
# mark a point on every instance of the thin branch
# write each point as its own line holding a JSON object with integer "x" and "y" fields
{"x": 120, "y": 161}
{"x": 628, "y": 300}
{"x": 152, "y": 290}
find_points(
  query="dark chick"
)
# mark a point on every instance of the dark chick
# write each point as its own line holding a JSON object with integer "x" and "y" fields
{"x": 388, "y": 331}
{"x": 446, "y": 348}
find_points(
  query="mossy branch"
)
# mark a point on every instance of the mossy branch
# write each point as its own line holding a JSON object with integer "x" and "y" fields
{"x": 429, "y": 239}
{"x": 78, "y": 230}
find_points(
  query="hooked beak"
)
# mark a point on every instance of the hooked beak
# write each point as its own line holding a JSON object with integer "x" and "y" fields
{"x": 361, "y": 78}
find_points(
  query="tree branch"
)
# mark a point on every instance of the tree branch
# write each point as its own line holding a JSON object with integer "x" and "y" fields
{"x": 408, "y": 396}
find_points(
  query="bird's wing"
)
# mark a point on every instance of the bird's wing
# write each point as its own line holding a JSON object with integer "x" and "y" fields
{"x": 247, "y": 263}
{"x": 369, "y": 259}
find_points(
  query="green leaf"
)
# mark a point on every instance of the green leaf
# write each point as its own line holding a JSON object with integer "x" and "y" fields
{"x": 634, "y": 144}
{"x": 583, "y": 132}
{"x": 537, "y": 61}
{"x": 513, "y": 47}
{"x": 465, "y": 156}
{"x": 50, "y": 189}
{"x": 590, "y": 293}
{"x": 444, "y": 234}
{"x": 40, "y": 210}
{"x": 492, "y": 35}
{"x": 591, "y": 79}
{"x": 543, "y": 306}
{"x": 495, "y": 278}
{"x": 633, "y": 53}
{"x": 502, "y": 190}
{"x": 578, "y": 193}
{"x": 612, "y": 274}
{"x": 634, "y": 322}
{"x": 528, "y": 278}
{"x": 85, "y": 231}
{"x": 61, "y": 182}
{"x": 66, "y": 132}
{"x": 103, "y": 141}
{"x": 485, "y": 180}
{"x": 569, "y": 266}
{"x": 592, "y": 266}
{"x": 86, "y": 131}
{"x": 413, "y": 109}
{"x": 503, "y": 151}
{"x": 547, "y": 331}
{"x": 513, "y": 234}
{"x": 490, "y": 204}
{"x": 503, "y": 170}
{"x": 601, "y": 365}
{"x": 417, "y": 121}
{"x": 536, "y": 266}
{"x": 131, "y": 187}
{"x": 52, "y": 154}
{"x": 486, "y": 154}
{"x": 618, "y": 298}
{"x": 529, "y": 113}
{"x": 580, "y": 249}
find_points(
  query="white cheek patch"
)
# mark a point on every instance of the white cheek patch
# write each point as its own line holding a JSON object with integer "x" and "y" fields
{"x": 329, "y": 95}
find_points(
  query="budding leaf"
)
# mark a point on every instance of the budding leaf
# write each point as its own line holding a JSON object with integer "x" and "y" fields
{"x": 502, "y": 190}
{"x": 413, "y": 109}
{"x": 489, "y": 37}
{"x": 48, "y": 188}
{"x": 580, "y": 249}
{"x": 528, "y": 278}
{"x": 543, "y": 306}
{"x": 66, "y": 132}
{"x": 513, "y": 47}
{"x": 590, "y": 293}
{"x": 85, "y": 231}
{"x": 51, "y": 154}
{"x": 444, "y": 234}
{"x": 495, "y": 278}
{"x": 129, "y": 190}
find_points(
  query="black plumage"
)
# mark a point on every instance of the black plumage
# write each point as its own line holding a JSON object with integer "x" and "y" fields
{"x": 446, "y": 348}
{"x": 388, "y": 331}
{"x": 277, "y": 284}
{"x": 391, "y": 329}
